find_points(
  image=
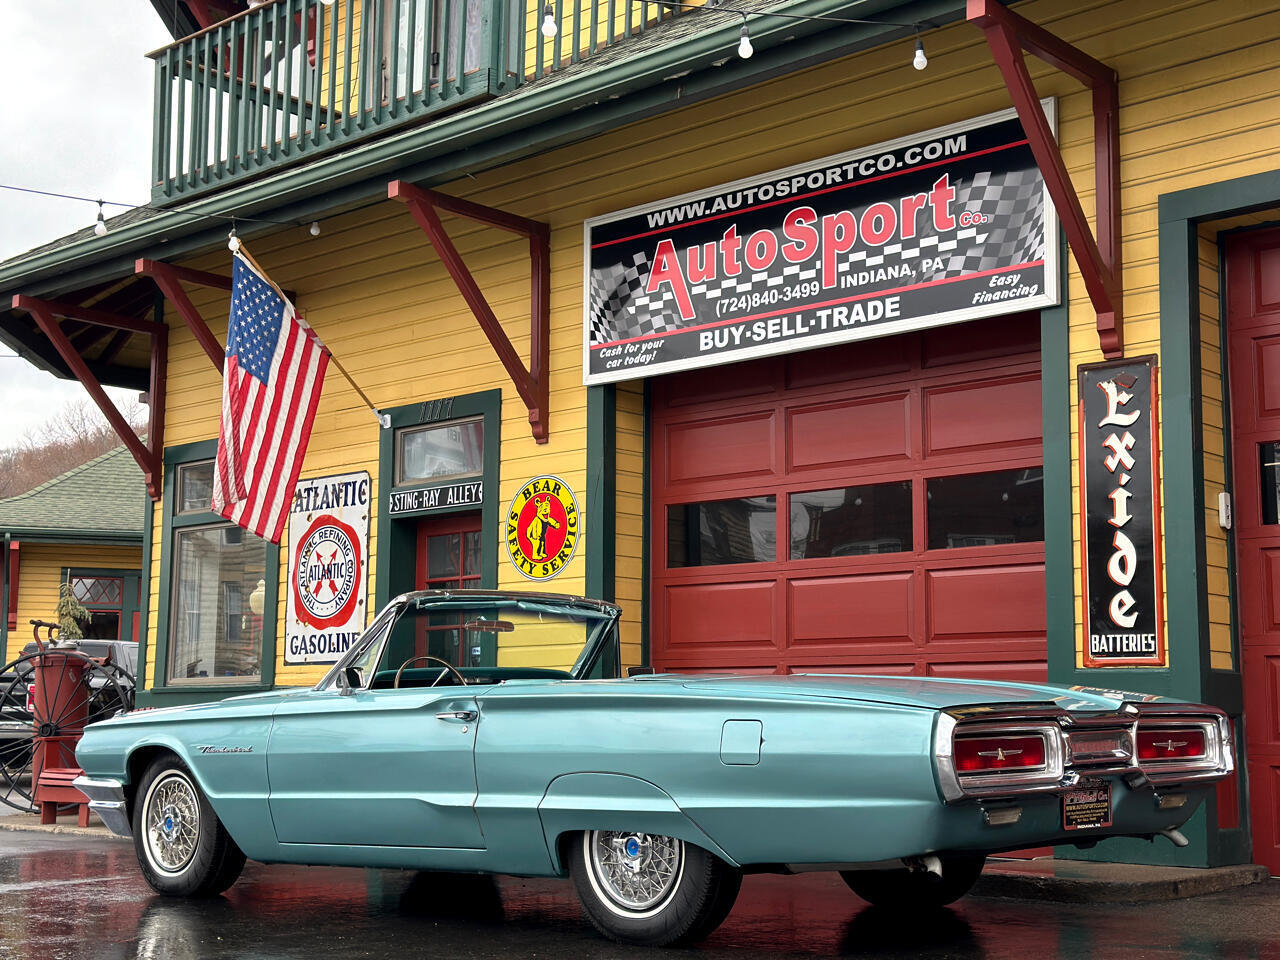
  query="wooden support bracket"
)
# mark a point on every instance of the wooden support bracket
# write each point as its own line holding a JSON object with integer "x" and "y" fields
{"x": 531, "y": 382}
{"x": 1008, "y": 35}
{"x": 149, "y": 454}
{"x": 167, "y": 277}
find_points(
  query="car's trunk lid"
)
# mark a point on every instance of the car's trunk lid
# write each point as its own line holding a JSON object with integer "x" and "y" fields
{"x": 929, "y": 692}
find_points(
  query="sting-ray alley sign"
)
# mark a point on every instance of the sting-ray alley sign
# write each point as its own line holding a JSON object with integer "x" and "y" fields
{"x": 328, "y": 567}
{"x": 1120, "y": 514}
{"x": 948, "y": 225}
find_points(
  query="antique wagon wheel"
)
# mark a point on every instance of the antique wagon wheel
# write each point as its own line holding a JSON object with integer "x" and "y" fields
{"x": 57, "y": 712}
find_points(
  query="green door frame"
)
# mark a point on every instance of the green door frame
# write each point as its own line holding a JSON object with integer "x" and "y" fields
{"x": 397, "y": 536}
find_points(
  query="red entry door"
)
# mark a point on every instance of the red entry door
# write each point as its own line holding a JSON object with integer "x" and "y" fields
{"x": 1253, "y": 317}
{"x": 449, "y": 558}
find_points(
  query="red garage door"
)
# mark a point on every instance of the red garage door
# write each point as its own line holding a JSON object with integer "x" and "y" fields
{"x": 876, "y": 507}
{"x": 1253, "y": 323}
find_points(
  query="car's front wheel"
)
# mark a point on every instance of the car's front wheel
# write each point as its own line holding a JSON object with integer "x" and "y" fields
{"x": 914, "y": 889}
{"x": 183, "y": 849}
{"x": 651, "y": 890}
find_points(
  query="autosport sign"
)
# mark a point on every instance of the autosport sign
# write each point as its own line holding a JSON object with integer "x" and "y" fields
{"x": 328, "y": 567}
{"x": 948, "y": 225}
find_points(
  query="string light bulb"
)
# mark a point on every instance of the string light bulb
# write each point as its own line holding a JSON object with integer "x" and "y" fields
{"x": 745, "y": 50}
{"x": 919, "y": 61}
{"x": 315, "y": 228}
{"x": 549, "y": 28}
{"x": 100, "y": 228}
{"x": 233, "y": 242}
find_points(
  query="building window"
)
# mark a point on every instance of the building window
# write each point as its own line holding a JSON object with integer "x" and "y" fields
{"x": 446, "y": 451}
{"x": 986, "y": 509}
{"x": 218, "y": 627}
{"x": 214, "y": 637}
{"x": 744, "y": 530}
{"x": 851, "y": 521}
{"x": 103, "y": 598}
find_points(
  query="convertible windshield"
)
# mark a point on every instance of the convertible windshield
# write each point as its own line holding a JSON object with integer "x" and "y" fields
{"x": 434, "y": 639}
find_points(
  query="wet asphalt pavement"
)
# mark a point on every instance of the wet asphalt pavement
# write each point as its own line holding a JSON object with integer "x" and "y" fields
{"x": 69, "y": 897}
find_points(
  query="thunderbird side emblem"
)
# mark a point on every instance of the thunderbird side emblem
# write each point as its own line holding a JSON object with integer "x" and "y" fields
{"x": 209, "y": 748}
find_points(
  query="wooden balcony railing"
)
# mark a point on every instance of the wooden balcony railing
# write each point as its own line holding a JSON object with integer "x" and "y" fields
{"x": 291, "y": 79}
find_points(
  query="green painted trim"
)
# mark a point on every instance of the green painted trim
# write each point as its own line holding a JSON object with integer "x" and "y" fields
{"x": 144, "y": 626}
{"x": 533, "y": 120}
{"x": 397, "y": 539}
{"x": 1059, "y": 519}
{"x": 602, "y": 492}
{"x": 129, "y": 605}
{"x": 162, "y": 692}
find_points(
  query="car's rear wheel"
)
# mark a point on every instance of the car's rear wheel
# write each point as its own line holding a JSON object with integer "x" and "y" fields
{"x": 651, "y": 890}
{"x": 183, "y": 849}
{"x": 914, "y": 889}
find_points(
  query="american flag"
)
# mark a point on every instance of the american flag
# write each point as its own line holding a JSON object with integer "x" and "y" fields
{"x": 270, "y": 388}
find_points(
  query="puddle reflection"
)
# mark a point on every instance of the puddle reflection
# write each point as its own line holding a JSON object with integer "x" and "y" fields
{"x": 51, "y": 907}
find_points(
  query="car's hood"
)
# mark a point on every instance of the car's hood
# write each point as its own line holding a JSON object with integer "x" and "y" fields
{"x": 245, "y": 704}
{"x": 934, "y": 693}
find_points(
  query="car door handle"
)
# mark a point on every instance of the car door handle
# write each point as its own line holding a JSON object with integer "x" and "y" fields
{"x": 466, "y": 716}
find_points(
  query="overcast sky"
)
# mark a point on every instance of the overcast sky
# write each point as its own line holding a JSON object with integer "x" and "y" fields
{"x": 76, "y": 92}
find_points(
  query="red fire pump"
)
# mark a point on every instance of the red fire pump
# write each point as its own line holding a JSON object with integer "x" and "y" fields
{"x": 47, "y": 698}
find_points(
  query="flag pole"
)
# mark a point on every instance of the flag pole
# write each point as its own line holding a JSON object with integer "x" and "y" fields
{"x": 384, "y": 419}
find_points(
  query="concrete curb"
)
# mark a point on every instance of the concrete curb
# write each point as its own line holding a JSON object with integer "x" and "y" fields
{"x": 33, "y": 825}
{"x": 1080, "y": 882}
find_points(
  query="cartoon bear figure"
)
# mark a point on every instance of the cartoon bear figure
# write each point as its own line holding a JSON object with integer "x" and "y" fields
{"x": 541, "y": 522}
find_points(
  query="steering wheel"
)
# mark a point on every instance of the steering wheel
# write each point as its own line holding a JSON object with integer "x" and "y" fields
{"x": 444, "y": 663}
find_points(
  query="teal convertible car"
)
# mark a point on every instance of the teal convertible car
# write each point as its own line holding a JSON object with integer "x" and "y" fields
{"x": 478, "y": 731}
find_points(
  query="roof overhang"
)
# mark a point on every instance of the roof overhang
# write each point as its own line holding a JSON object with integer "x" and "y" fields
{"x": 582, "y": 101}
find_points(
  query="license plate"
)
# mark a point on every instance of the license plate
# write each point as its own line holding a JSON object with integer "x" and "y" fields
{"x": 1087, "y": 805}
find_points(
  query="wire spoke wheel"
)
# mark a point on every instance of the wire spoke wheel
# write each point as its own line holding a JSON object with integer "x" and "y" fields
{"x": 172, "y": 819}
{"x": 636, "y": 872}
{"x": 43, "y": 714}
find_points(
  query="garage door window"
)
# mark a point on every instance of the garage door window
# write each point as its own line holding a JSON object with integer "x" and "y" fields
{"x": 986, "y": 509}
{"x": 744, "y": 530}
{"x": 851, "y": 521}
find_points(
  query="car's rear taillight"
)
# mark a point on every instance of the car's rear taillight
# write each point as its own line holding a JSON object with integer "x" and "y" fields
{"x": 992, "y": 754}
{"x": 1172, "y": 743}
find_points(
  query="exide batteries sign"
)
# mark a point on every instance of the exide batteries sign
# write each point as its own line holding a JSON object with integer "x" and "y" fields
{"x": 1120, "y": 514}
{"x": 949, "y": 225}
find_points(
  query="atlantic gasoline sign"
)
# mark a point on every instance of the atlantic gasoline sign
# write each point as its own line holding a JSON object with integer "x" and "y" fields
{"x": 944, "y": 226}
{"x": 543, "y": 527}
{"x": 1120, "y": 515}
{"x": 328, "y": 567}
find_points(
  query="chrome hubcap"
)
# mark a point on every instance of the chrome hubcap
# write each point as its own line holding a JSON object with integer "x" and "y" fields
{"x": 635, "y": 871}
{"x": 172, "y": 823}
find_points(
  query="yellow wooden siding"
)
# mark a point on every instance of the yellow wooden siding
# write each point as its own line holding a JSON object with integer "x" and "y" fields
{"x": 40, "y": 573}
{"x": 584, "y": 36}
{"x": 630, "y": 533}
{"x": 1218, "y": 580}
{"x": 1198, "y": 98}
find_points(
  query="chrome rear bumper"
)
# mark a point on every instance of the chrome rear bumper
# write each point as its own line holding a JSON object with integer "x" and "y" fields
{"x": 106, "y": 799}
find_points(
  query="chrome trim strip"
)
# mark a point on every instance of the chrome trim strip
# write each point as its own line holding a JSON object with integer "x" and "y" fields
{"x": 106, "y": 799}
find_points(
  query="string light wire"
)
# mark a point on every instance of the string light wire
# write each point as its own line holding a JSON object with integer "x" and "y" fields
{"x": 225, "y": 217}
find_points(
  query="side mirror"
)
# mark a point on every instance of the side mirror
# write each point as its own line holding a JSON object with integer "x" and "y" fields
{"x": 640, "y": 671}
{"x": 348, "y": 681}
